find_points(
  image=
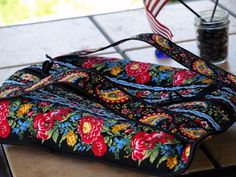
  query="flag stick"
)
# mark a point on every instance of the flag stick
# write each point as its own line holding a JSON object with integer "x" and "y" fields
{"x": 195, "y": 13}
{"x": 214, "y": 10}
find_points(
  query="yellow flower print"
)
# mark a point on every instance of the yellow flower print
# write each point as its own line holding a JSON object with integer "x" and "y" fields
{"x": 171, "y": 162}
{"x": 23, "y": 109}
{"x": 115, "y": 71}
{"x": 30, "y": 77}
{"x": 117, "y": 128}
{"x": 71, "y": 139}
{"x": 202, "y": 68}
{"x": 161, "y": 41}
{"x": 131, "y": 116}
{"x": 207, "y": 81}
{"x": 162, "y": 68}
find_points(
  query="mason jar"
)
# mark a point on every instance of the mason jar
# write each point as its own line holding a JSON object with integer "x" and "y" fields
{"x": 212, "y": 35}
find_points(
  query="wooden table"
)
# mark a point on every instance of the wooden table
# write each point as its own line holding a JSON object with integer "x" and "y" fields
{"x": 23, "y": 45}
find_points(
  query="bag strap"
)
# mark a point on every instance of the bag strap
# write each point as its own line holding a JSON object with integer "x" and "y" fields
{"x": 177, "y": 53}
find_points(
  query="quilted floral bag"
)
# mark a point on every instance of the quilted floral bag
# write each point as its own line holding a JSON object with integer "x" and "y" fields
{"x": 146, "y": 116}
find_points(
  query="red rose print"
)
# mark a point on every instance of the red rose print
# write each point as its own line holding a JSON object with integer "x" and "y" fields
{"x": 4, "y": 128}
{"x": 143, "y": 78}
{"x": 92, "y": 61}
{"x": 57, "y": 114}
{"x": 4, "y": 109}
{"x": 141, "y": 142}
{"x": 142, "y": 93}
{"x": 42, "y": 134}
{"x": 44, "y": 103}
{"x": 138, "y": 155}
{"x": 162, "y": 137}
{"x": 185, "y": 92}
{"x": 181, "y": 76}
{"x": 99, "y": 147}
{"x": 45, "y": 121}
{"x": 90, "y": 128}
{"x": 204, "y": 124}
{"x": 186, "y": 153}
{"x": 164, "y": 94}
{"x": 135, "y": 68}
{"x": 124, "y": 111}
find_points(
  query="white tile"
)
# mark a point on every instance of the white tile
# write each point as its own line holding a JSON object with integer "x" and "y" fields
{"x": 28, "y": 43}
{"x": 148, "y": 55}
{"x": 111, "y": 55}
{"x": 6, "y": 73}
{"x": 229, "y": 4}
{"x": 174, "y": 15}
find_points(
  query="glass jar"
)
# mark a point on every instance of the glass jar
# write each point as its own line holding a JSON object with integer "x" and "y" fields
{"x": 212, "y": 36}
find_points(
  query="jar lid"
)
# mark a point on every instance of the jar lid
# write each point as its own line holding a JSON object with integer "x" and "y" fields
{"x": 221, "y": 18}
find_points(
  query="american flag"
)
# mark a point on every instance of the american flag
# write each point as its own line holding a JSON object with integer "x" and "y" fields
{"x": 153, "y": 7}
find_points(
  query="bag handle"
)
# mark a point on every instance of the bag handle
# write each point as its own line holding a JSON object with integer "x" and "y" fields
{"x": 177, "y": 53}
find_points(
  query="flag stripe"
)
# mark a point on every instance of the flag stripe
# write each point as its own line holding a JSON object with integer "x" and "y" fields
{"x": 157, "y": 23}
{"x": 153, "y": 8}
{"x": 158, "y": 26}
{"x": 158, "y": 31}
{"x": 159, "y": 8}
{"x": 151, "y": 3}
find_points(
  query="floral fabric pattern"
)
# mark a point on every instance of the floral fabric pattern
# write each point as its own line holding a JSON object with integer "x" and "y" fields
{"x": 133, "y": 113}
{"x": 83, "y": 132}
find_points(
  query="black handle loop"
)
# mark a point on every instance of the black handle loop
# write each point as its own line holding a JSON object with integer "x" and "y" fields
{"x": 177, "y": 53}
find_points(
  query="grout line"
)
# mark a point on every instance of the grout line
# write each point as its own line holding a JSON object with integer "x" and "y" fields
{"x": 4, "y": 161}
{"x": 7, "y": 163}
{"x": 15, "y": 66}
{"x": 107, "y": 37}
{"x": 210, "y": 157}
{"x": 225, "y": 8}
{"x": 28, "y": 64}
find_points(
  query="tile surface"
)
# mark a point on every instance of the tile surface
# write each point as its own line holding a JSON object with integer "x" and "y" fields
{"x": 6, "y": 73}
{"x": 26, "y": 44}
{"x": 46, "y": 164}
{"x": 230, "y": 5}
{"x": 175, "y": 16}
{"x": 223, "y": 146}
